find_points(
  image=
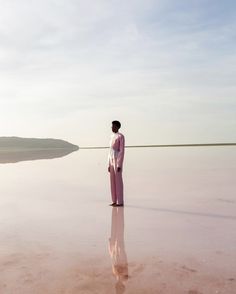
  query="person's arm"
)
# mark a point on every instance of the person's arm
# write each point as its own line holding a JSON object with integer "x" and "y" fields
{"x": 108, "y": 161}
{"x": 121, "y": 153}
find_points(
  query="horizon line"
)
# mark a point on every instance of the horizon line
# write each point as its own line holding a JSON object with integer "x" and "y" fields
{"x": 164, "y": 145}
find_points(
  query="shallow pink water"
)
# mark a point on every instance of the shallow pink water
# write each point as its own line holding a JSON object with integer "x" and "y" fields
{"x": 179, "y": 224}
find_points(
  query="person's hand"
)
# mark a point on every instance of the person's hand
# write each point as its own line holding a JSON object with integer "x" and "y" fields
{"x": 108, "y": 168}
{"x": 119, "y": 169}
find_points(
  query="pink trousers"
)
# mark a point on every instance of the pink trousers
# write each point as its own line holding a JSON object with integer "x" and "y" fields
{"x": 116, "y": 185}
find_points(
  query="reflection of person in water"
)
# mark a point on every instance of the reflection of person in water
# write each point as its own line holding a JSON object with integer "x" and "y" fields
{"x": 117, "y": 249}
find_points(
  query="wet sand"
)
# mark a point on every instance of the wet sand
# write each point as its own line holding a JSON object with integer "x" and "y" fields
{"x": 176, "y": 233}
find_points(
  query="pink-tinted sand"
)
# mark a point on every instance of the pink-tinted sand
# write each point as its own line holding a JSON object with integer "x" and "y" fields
{"x": 176, "y": 233}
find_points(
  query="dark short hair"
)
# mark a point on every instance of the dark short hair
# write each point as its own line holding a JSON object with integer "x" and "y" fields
{"x": 116, "y": 123}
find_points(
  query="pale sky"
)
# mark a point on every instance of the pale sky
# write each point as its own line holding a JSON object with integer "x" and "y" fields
{"x": 166, "y": 69}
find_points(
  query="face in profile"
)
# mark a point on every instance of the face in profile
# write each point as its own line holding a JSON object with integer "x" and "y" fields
{"x": 114, "y": 128}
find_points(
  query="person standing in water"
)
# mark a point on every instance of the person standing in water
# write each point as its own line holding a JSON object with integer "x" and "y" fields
{"x": 115, "y": 161}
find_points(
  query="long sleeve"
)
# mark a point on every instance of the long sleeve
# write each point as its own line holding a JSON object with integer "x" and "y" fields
{"x": 120, "y": 157}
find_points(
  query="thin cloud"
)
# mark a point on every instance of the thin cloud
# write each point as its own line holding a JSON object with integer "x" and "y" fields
{"x": 168, "y": 58}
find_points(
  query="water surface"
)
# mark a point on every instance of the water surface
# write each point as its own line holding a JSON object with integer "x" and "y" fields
{"x": 176, "y": 233}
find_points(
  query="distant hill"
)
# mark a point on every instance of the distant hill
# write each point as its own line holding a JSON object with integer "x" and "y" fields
{"x": 33, "y": 143}
{"x": 15, "y": 149}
